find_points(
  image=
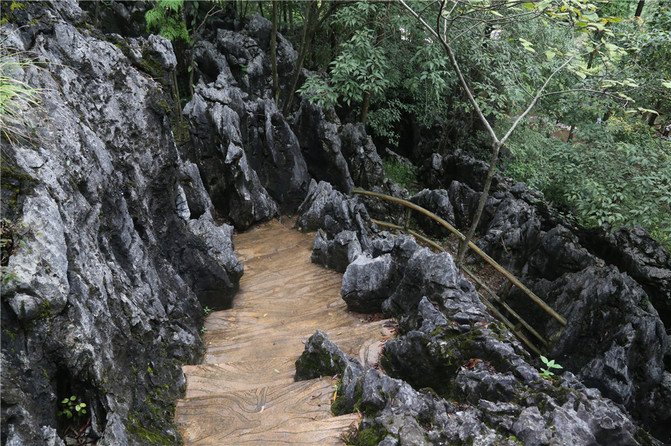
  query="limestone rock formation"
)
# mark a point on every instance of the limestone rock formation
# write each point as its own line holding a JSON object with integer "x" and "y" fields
{"x": 115, "y": 248}
{"x": 317, "y": 130}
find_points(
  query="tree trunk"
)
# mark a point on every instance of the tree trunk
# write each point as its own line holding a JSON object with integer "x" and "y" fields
{"x": 639, "y": 8}
{"x": 305, "y": 45}
{"x": 496, "y": 147}
{"x": 273, "y": 53}
{"x": 365, "y": 106}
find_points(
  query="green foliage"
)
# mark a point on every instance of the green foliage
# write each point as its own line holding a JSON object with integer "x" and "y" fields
{"x": 547, "y": 373}
{"x": 383, "y": 120}
{"x": 72, "y": 407}
{"x": 167, "y": 18}
{"x": 359, "y": 68}
{"x": 617, "y": 173}
{"x": 16, "y": 96}
{"x": 317, "y": 91}
{"x": 405, "y": 175}
{"x": 207, "y": 310}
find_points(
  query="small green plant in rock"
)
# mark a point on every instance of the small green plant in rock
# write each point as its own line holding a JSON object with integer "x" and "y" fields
{"x": 547, "y": 373}
{"x": 203, "y": 329}
{"x": 207, "y": 310}
{"x": 72, "y": 407}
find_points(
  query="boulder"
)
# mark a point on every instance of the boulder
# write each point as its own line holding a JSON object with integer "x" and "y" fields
{"x": 512, "y": 233}
{"x": 317, "y": 132}
{"x": 365, "y": 165}
{"x": 436, "y": 277}
{"x": 335, "y": 253}
{"x": 275, "y": 155}
{"x": 614, "y": 340}
{"x": 558, "y": 252}
{"x": 367, "y": 283}
{"x": 234, "y": 186}
{"x": 644, "y": 259}
{"x": 328, "y": 209}
{"x": 438, "y": 202}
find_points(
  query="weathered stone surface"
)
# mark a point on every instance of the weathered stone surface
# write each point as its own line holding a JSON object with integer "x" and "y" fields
{"x": 436, "y": 277}
{"x": 644, "y": 259}
{"x": 367, "y": 283}
{"x": 438, "y": 202}
{"x": 317, "y": 132}
{"x": 511, "y": 234}
{"x": 558, "y": 252}
{"x": 485, "y": 405}
{"x": 614, "y": 340}
{"x": 365, "y": 165}
{"x": 275, "y": 155}
{"x": 102, "y": 295}
{"x": 322, "y": 358}
{"x": 234, "y": 73}
{"x": 328, "y": 209}
{"x": 234, "y": 186}
{"x": 338, "y": 252}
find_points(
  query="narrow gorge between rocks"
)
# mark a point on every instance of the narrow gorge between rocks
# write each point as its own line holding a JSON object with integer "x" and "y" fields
{"x": 244, "y": 393}
{"x": 186, "y": 262}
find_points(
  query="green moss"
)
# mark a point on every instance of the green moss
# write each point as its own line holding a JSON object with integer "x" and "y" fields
{"x": 153, "y": 436}
{"x": 370, "y": 437}
{"x": 45, "y": 310}
{"x": 11, "y": 334}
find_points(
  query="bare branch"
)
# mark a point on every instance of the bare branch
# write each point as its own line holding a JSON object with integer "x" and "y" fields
{"x": 457, "y": 69}
{"x": 535, "y": 99}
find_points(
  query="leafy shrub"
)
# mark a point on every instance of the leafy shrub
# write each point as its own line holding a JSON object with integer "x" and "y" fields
{"x": 317, "y": 91}
{"x": 617, "y": 173}
{"x": 405, "y": 175}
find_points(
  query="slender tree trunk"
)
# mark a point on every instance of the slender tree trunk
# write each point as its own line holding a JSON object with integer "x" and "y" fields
{"x": 639, "y": 8}
{"x": 365, "y": 107}
{"x": 273, "y": 53}
{"x": 261, "y": 9}
{"x": 570, "y": 133}
{"x": 305, "y": 45}
{"x": 496, "y": 147}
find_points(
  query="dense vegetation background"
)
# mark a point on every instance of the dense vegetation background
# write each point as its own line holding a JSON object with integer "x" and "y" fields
{"x": 593, "y": 77}
{"x": 591, "y": 80}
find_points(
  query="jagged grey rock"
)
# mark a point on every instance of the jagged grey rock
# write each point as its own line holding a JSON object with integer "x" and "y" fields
{"x": 102, "y": 295}
{"x": 365, "y": 165}
{"x": 367, "y": 283}
{"x": 614, "y": 339}
{"x": 644, "y": 259}
{"x": 234, "y": 186}
{"x": 317, "y": 133}
{"x": 438, "y": 202}
{"x": 336, "y": 253}
{"x": 558, "y": 252}
{"x": 328, "y": 209}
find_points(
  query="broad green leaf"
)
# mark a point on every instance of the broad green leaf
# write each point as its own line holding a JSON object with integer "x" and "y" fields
{"x": 550, "y": 54}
